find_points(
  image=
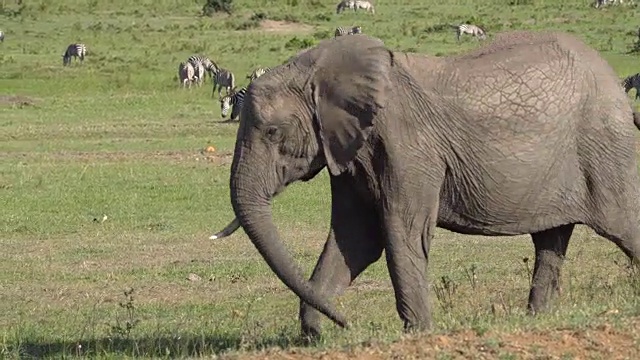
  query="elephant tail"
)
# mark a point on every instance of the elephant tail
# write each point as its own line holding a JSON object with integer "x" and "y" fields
{"x": 228, "y": 230}
{"x": 636, "y": 119}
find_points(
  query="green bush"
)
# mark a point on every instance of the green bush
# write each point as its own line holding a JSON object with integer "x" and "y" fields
{"x": 296, "y": 44}
{"x": 214, "y": 6}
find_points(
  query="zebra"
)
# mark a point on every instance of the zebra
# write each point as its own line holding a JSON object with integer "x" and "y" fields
{"x": 257, "y": 73}
{"x": 472, "y": 30}
{"x": 365, "y": 5}
{"x": 77, "y": 50}
{"x": 355, "y": 5}
{"x": 186, "y": 74}
{"x": 198, "y": 69}
{"x": 223, "y": 77}
{"x": 235, "y": 99}
{"x": 208, "y": 65}
{"x": 1, "y": 36}
{"x": 345, "y": 4}
{"x": 601, "y": 3}
{"x": 341, "y": 31}
{"x": 632, "y": 82}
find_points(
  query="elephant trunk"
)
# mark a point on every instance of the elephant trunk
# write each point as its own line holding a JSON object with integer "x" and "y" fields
{"x": 251, "y": 204}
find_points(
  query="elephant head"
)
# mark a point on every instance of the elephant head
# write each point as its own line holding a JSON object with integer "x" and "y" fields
{"x": 314, "y": 111}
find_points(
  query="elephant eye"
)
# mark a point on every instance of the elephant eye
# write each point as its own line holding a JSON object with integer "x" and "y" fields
{"x": 273, "y": 133}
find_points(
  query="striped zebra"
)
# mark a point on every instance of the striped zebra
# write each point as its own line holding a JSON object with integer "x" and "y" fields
{"x": 77, "y": 50}
{"x": 345, "y": 4}
{"x": 601, "y": 3}
{"x": 208, "y": 65}
{"x": 355, "y": 5}
{"x": 632, "y": 82}
{"x": 235, "y": 99}
{"x": 341, "y": 31}
{"x": 198, "y": 73}
{"x": 186, "y": 74}
{"x": 1, "y": 36}
{"x": 365, "y": 5}
{"x": 257, "y": 73}
{"x": 472, "y": 30}
{"x": 223, "y": 78}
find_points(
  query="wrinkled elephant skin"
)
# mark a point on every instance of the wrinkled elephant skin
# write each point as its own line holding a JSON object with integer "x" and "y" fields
{"x": 512, "y": 138}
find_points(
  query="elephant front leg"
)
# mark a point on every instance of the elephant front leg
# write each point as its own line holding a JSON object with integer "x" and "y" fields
{"x": 551, "y": 248}
{"x": 407, "y": 252}
{"x": 354, "y": 242}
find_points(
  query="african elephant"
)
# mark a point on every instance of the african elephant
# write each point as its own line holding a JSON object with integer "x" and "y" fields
{"x": 530, "y": 134}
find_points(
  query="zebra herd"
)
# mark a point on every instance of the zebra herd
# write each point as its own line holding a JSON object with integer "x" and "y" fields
{"x": 355, "y": 5}
{"x": 195, "y": 70}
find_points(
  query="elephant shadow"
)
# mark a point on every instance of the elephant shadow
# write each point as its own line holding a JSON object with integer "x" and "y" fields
{"x": 155, "y": 347}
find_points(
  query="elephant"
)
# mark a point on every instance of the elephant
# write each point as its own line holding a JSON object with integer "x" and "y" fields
{"x": 528, "y": 134}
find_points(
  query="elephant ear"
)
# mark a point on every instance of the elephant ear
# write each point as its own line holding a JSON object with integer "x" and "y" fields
{"x": 349, "y": 86}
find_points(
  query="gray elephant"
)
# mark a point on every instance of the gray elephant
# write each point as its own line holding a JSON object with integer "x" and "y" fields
{"x": 530, "y": 134}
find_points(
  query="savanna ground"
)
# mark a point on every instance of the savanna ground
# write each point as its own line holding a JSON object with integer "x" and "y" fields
{"x": 116, "y": 137}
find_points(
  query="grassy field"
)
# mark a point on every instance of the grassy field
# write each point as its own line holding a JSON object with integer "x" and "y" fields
{"x": 116, "y": 137}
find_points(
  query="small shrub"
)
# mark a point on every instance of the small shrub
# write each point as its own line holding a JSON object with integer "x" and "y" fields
{"x": 291, "y": 18}
{"x": 322, "y": 17}
{"x": 258, "y": 17}
{"x": 250, "y": 24}
{"x": 214, "y": 6}
{"x": 296, "y": 44}
{"x": 438, "y": 28}
{"x": 10, "y": 12}
{"x": 635, "y": 48}
{"x": 323, "y": 34}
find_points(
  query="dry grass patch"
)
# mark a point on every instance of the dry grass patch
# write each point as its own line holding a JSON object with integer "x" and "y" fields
{"x": 604, "y": 341}
{"x": 284, "y": 27}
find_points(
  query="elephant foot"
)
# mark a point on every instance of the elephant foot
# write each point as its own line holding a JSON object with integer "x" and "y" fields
{"x": 541, "y": 297}
{"x": 310, "y": 336}
{"x": 417, "y": 327}
{"x": 310, "y": 329}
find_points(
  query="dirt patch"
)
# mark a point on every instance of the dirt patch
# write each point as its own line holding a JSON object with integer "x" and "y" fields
{"x": 16, "y": 101}
{"x": 217, "y": 158}
{"x": 603, "y": 342}
{"x": 284, "y": 26}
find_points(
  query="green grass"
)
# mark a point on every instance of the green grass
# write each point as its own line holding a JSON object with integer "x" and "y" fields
{"x": 115, "y": 136}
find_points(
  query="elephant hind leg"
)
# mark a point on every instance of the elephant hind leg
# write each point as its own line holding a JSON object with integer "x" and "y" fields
{"x": 618, "y": 220}
{"x": 551, "y": 249}
{"x": 627, "y": 240}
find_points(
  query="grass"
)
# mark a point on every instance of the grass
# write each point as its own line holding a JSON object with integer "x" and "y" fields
{"x": 116, "y": 137}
